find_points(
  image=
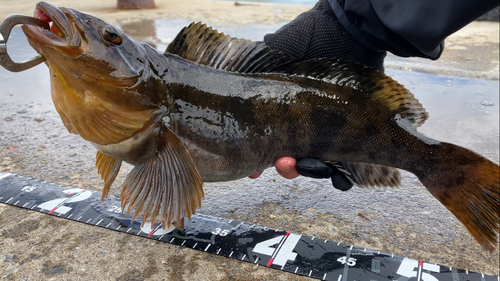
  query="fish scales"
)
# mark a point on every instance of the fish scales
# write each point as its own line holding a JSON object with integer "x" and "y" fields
{"x": 260, "y": 131}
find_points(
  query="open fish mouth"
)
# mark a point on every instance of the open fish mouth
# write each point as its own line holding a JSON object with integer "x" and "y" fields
{"x": 60, "y": 28}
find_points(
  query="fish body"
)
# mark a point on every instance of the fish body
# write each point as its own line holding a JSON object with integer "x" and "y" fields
{"x": 216, "y": 108}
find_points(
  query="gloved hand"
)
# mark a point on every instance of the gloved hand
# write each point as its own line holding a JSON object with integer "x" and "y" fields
{"x": 290, "y": 168}
{"x": 318, "y": 33}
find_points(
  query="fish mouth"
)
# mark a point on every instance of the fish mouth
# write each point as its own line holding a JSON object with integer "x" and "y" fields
{"x": 60, "y": 32}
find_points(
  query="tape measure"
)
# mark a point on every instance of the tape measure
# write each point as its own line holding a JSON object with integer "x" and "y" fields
{"x": 278, "y": 249}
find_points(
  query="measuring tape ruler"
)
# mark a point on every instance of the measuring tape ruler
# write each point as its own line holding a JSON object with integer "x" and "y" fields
{"x": 278, "y": 249}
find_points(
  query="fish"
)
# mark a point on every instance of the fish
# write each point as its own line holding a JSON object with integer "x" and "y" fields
{"x": 216, "y": 108}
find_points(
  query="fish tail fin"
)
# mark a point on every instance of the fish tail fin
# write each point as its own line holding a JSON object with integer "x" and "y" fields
{"x": 469, "y": 186}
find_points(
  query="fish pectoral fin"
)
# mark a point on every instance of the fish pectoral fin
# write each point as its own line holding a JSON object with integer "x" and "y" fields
{"x": 165, "y": 185}
{"x": 201, "y": 44}
{"x": 367, "y": 175}
{"x": 108, "y": 167}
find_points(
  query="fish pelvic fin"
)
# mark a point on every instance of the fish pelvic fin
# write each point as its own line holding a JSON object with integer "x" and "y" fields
{"x": 367, "y": 175}
{"x": 108, "y": 167}
{"x": 203, "y": 45}
{"x": 365, "y": 81}
{"x": 469, "y": 186}
{"x": 164, "y": 186}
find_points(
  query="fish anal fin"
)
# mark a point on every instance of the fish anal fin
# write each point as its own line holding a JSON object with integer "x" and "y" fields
{"x": 164, "y": 186}
{"x": 367, "y": 175}
{"x": 203, "y": 45}
{"x": 108, "y": 167}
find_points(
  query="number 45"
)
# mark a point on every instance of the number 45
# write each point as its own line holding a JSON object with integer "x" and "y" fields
{"x": 349, "y": 261}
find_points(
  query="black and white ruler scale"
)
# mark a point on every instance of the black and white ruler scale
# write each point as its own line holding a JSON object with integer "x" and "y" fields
{"x": 274, "y": 248}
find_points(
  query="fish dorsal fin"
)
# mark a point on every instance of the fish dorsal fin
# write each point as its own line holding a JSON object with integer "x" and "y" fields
{"x": 369, "y": 82}
{"x": 203, "y": 45}
{"x": 165, "y": 185}
{"x": 108, "y": 167}
{"x": 367, "y": 175}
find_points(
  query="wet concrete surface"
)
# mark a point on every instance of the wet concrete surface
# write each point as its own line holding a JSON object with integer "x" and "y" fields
{"x": 407, "y": 221}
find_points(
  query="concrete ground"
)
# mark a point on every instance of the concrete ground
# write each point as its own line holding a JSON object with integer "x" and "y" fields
{"x": 406, "y": 221}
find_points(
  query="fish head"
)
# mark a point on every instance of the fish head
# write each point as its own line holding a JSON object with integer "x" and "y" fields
{"x": 99, "y": 75}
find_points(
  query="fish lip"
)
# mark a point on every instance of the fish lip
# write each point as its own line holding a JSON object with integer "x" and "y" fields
{"x": 50, "y": 13}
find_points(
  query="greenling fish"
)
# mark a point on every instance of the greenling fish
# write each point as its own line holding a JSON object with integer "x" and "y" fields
{"x": 216, "y": 108}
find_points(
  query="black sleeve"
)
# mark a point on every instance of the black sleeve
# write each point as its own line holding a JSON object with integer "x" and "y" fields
{"x": 407, "y": 27}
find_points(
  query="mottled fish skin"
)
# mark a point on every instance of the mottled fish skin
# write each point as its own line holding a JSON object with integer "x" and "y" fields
{"x": 229, "y": 144}
{"x": 179, "y": 121}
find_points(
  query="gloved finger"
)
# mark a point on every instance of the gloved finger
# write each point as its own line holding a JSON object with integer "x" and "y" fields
{"x": 285, "y": 166}
{"x": 313, "y": 168}
{"x": 340, "y": 181}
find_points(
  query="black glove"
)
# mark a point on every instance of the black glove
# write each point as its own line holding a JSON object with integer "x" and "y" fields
{"x": 318, "y": 34}
{"x": 313, "y": 168}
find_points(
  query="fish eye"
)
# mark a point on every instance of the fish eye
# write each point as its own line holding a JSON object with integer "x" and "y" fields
{"x": 111, "y": 35}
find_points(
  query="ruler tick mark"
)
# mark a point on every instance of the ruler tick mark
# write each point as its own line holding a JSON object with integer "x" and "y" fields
{"x": 243, "y": 256}
{"x": 324, "y": 276}
{"x": 79, "y": 218}
{"x": 231, "y": 254}
{"x": 340, "y": 277}
{"x": 99, "y": 222}
{"x": 310, "y": 272}
{"x": 16, "y": 202}
{"x": 108, "y": 225}
{"x": 296, "y": 269}
{"x": 89, "y": 220}
{"x": 218, "y": 251}
{"x": 207, "y": 247}
{"x": 182, "y": 244}
{"x": 195, "y": 245}
{"x": 172, "y": 240}
{"x": 160, "y": 237}
{"x": 128, "y": 230}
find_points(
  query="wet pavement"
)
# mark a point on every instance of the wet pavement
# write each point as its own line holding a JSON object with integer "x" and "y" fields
{"x": 407, "y": 221}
